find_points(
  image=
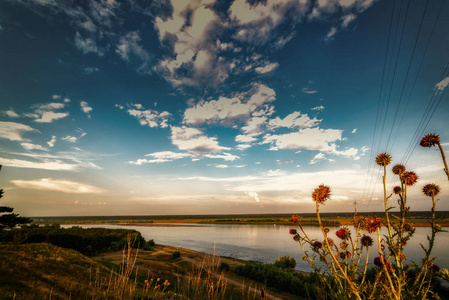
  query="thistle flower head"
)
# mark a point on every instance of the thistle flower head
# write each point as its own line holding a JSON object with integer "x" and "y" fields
{"x": 330, "y": 241}
{"x": 297, "y": 238}
{"x": 383, "y": 159}
{"x": 397, "y": 189}
{"x": 321, "y": 194}
{"x": 344, "y": 245}
{"x": 342, "y": 255}
{"x": 430, "y": 140}
{"x": 435, "y": 268}
{"x": 317, "y": 245}
{"x": 409, "y": 178}
{"x": 343, "y": 233}
{"x": 366, "y": 241}
{"x": 378, "y": 261}
{"x": 431, "y": 189}
{"x": 398, "y": 169}
{"x": 372, "y": 223}
{"x": 295, "y": 219}
{"x": 293, "y": 231}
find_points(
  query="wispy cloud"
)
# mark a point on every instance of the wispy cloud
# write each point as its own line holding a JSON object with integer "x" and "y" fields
{"x": 15, "y": 131}
{"x": 147, "y": 117}
{"x": 10, "y": 113}
{"x": 195, "y": 141}
{"x": 57, "y": 185}
{"x": 85, "y": 108}
{"x": 46, "y": 113}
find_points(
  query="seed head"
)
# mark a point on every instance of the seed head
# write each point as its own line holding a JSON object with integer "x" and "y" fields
{"x": 435, "y": 268}
{"x": 330, "y": 241}
{"x": 344, "y": 245}
{"x": 383, "y": 159}
{"x": 342, "y": 255}
{"x": 407, "y": 227}
{"x": 398, "y": 169}
{"x": 431, "y": 189}
{"x": 430, "y": 140}
{"x": 297, "y": 238}
{"x": 366, "y": 241}
{"x": 409, "y": 178}
{"x": 321, "y": 193}
{"x": 378, "y": 261}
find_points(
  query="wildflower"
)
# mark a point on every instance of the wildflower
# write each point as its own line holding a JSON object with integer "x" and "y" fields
{"x": 437, "y": 228}
{"x": 372, "y": 223}
{"x": 293, "y": 231}
{"x": 344, "y": 245}
{"x": 409, "y": 178}
{"x": 297, "y": 238}
{"x": 366, "y": 241}
{"x": 342, "y": 255}
{"x": 321, "y": 194}
{"x": 304, "y": 258}
{"x": 343, "y": 233}
{"x": 378, "y": 261}
{"x": 430, "y": 140}
{"x": 348, "y": 254}
{"x": 435, "y": 268}
{"x": 330, "y": 242}
{"x": 431, "y": 189}
{"x": 326, "y": 229}
{"x": 397, "y": 190}
{"x": 317, "y": 245}
{"x": 360, "y": 222}
{"x": 295, "y": 219}
{"x": 398, "y": 169}
{"x": 407, "y": 227}
{"x": 383, "y": 159}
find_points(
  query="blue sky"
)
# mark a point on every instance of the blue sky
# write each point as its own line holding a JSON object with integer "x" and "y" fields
{"x": 215, "y": 107}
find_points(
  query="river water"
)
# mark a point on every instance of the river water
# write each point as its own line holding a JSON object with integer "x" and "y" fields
{"x": 266, "y": 243}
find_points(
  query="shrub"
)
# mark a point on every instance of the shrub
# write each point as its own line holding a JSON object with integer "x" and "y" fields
{"x": 285, "y": 262}
{"x": 175, "y": 254}
{"x": 223, "y": 267}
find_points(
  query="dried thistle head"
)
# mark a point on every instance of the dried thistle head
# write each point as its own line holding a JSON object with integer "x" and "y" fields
{"x": 431, "y": 189}
{"x": 321, "y": 194}
{"x": 430, "y": 140}
{"x": 344, "y": 245}
{"x": 383, "y": 159}
{"x": 409, "y": 178}
{"x": 330, "y": 241}
{"x": 295, "y": 219}
{"x": 366, "y": 241}
{"x": 398, "y": 169}
{"x": 372, "y": 223}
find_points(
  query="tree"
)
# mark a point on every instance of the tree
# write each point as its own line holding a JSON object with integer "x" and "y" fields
{"x": 8, "y": 219}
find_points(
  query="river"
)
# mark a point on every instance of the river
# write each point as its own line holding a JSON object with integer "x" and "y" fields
{"x": 265, "y": 243}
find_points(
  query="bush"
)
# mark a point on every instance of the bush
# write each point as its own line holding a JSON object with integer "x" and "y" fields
{"x": 224, "y": 267}
{"x": 175, "y": 254}
{"x": 285, "y": 262}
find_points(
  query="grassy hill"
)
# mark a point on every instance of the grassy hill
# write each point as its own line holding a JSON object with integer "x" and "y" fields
{"x": 43, "y": 271}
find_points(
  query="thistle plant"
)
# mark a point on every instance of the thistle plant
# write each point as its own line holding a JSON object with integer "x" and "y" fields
{"x": 348, "y": 271}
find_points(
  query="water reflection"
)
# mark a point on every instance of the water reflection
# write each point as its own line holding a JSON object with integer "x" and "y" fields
{"x": 266, "y": 243}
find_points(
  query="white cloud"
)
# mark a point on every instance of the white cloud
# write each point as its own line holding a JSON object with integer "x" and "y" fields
{"x": 224, "y": 155}
{"x": 222, "y": 166}
{"x": 45, "y": 113}
{"x": 330, "y": 35}
{"x": 30, "y": 146}
{"x": 318, "y": 108}
{"x": 307, "y": 90}
{"x": 87, "y": 45}
{"x": 320, "y": 156}
{"x": 131, "y": 50}
{"x": 365, "y": 148}
{"x": 161, "y": 157}
{"x": 442, "y": 84}
{"x": 269, "y": 67}
{"x": 243, "y": 146}
{"x": 194, "y": 140}
{"x": 354, "y": 130}
{"x": 254, "y": 195}
{"x": 70, "y": 139}
{"x": 86, "y": 108}
{"x": 244, "y": 138}
{"x": 46, "y": 164}
{"x": 229, "y": 110}
{"x": 51, "y": 143}
{"x": 11, "y": 113}
{"x": 57, "y": 185}
{"x": 149, "y": 117}
{"x": 295, "y": 119}
{"x": 14, "y": 131}
{"x": 347, "y": 19}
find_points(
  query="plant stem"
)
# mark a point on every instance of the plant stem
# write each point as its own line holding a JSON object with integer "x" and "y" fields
{"x": 444, "y": 160}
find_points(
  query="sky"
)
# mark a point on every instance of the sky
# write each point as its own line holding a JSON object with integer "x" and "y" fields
{"x": 218, "y": 107}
